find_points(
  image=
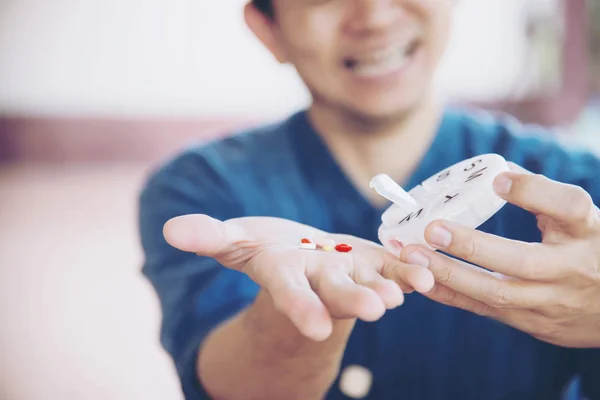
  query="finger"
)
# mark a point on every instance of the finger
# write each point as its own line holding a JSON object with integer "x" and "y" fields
{"x": 389, "y": 292}
{"x": 409, "y": 277}
{"x": 344, "y": 298}
{"x": 384, "y": 264}
{"x": 481, "y": 285}
{"x": 520, "y": 319}
{"x": 517, "y": 168}
{"x": 532, "y": 261}
{"x": 444, "y": 295}
{"x": 202, "y": 234}
{"x": 292, "y": 295}
{"x": 565, "y": 203}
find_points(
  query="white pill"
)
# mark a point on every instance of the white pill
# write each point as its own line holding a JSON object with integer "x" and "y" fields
{"x": 308, "y": 246}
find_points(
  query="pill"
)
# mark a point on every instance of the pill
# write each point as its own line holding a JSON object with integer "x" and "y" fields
{"x": 326, "y": 242}
{"x": 343, "y": 248}
{"x": 308, "y": 246}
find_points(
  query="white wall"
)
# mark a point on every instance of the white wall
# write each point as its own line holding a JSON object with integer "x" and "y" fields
{"x": 78, "y": 320}
{"x": 195, "y": 57}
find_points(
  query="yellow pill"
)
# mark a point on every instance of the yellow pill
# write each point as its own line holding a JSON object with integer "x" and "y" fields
{"x": 327, "y": 242}
{"x": 327, "y": 248}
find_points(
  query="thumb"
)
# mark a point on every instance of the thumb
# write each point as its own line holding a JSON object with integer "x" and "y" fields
{"x": 202, "y": 234}
{"x": 517, "y": 168}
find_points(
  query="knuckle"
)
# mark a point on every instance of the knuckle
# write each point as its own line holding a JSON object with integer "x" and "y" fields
{"x": 449, "y": 296}
{"x": 532, "y": 322}
{"x": 499, "y": 297}
{"x": 547, "y": 329}
{"x": 334, "y": 271}
{"x": 398, "y": 275}
{"x": 548, "y": 313}
{"x": 407, "y": 251}
{"x": 528, "y": 184}
{"x": 482, "y": 309}
{"x": 406, "y": 289}
{"x": 470, "y": 250}
{"x": 531, "y": 267}
{"x": 580, "y": 204}
{"x": 453, "y": 298}
{"x": 581, "y": 272}
{"x": 389, "y": 271}
{"x": 444, "y": 275}
{"x": 570, "y": 305}
{"x": 365, "y": 276}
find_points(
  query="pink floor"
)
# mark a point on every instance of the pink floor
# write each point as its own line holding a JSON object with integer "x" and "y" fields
{"x": 78, "y": 321}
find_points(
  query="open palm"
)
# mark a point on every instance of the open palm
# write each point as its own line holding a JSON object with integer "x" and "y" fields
{"x": 312, "y": 288}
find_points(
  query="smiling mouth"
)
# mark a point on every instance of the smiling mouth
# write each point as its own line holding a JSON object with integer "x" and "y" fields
{"x": 383, "y": 61}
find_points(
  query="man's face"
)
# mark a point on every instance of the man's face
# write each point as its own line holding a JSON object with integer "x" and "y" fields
{"x": 375, "y": 58}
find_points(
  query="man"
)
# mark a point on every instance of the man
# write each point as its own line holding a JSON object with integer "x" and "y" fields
{"x": 509, "y": 311}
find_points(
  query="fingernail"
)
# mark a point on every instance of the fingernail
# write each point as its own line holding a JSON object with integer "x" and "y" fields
{"x": 440, "y": 237}
{"x": 502, "y": 184}
{"x": 418, "y": 258}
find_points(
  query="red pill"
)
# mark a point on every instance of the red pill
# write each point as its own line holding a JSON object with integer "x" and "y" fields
{"x": 343, "y": 248}
{"x": 306, "y": 241}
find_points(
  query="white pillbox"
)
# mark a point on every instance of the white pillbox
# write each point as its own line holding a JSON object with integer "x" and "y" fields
{"x": 462, "y": 193}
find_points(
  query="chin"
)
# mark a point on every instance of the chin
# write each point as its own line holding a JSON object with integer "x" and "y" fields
{"x": 373, "y": 108}
{"x": 382, "y": 110}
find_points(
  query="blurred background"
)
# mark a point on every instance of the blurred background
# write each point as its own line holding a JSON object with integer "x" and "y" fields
{"x": 94, "y": 94}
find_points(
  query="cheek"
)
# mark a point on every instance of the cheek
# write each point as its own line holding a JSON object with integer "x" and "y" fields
{"x": 444, "y": 20}
{"x": 309, "y": 34}
{"x": 439, "y": 35}
{"x": 437, "y": 17}
{"x": 313, "y": 51}
{"x": 312, "y": 33}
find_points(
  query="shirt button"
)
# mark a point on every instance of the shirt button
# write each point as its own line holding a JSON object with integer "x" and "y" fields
{"x": 356, "y": 382}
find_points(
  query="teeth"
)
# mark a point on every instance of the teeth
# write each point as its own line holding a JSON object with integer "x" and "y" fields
{"x": 381, "y": 62}
{"x": 383, "y": 55}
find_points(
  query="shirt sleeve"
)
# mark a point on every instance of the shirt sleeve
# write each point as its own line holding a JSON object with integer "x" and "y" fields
{"x": 196, "y": 293}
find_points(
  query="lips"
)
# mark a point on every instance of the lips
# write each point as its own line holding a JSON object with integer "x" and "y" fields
{"x": 382, "y": 61}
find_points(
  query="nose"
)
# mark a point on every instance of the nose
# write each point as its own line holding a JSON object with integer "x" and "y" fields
{"x": 366, "y": 16}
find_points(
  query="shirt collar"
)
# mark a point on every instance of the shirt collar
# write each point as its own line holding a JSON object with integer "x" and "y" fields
{"x": 328, "y": 179}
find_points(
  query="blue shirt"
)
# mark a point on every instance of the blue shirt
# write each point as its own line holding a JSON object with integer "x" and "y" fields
{"x": 422, "y": 350}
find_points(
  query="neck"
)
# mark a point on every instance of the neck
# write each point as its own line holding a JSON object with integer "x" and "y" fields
{"x": 364, "y": 148}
